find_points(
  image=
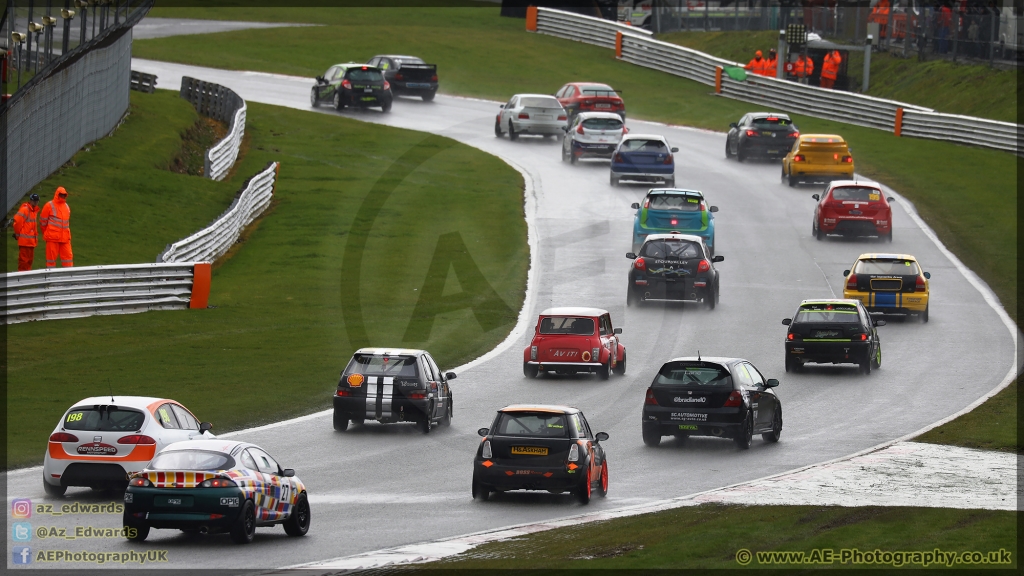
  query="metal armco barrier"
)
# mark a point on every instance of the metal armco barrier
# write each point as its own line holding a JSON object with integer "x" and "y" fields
{"x": 143, "y": 82}
{"x": 216, "y": 101}
{"x": 55, "y": 293}
{"x": 216, "y": 239}
{"x": 638, "y": 47}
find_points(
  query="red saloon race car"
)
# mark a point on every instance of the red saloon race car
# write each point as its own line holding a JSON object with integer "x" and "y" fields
{"x": 571, "y": 340}
{"x": 853, "y": 208}
{"x": 578, "y": 97}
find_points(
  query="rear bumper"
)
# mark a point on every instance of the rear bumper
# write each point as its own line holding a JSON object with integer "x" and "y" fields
{"x": 846, "y": 352}
{"x": 351, "y": 98}
{"x": 538, "y": 126}
{"x": 211, "y": 508}
{"x": 413, "y": 87}
{"x": 643, "y": 176}
{"x": 566, "y": 366}
{"x": 682, "y": 290}
{"x": 895, "y": 303}
{"x": 400, "y": 409}
{"x": 820, "y": 172}
{"x": 593, "y": 150}
{"x": 91, "y": 474}
{"x": 668, "y": 420}
{"x": 504, "y": 475}
{"x": 769, "y": 147}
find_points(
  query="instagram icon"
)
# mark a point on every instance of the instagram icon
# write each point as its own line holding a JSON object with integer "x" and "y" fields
{"x": 21, "y": 508}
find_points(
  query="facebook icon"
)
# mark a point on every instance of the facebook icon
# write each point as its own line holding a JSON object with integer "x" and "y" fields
{"x": 21, "y": 555}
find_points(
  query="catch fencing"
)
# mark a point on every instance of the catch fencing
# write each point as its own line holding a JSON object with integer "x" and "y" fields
{"x": 215, "y": 240}
{"x": 220, "y": 103}
{"x": 55, "y": 293}
{"x": 848, "y": 107}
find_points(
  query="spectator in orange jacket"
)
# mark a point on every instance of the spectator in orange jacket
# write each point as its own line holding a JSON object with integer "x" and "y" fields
{"x": 772, "y": 64}
{"x": 56, "y": 221}
{"x": 803, "y": 68}
{"x": 757, "y": 65}
{"x": 25, "y": 232}
{"x": 830, "y": 69}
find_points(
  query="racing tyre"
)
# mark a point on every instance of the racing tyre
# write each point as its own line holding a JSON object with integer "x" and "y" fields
{"x": 712, "y": 299}
{"x": 728, "y": 153}
{"x": 671, "y": 182}
{"x": 652, "y": 437}
{"x": 790, "y": 363}
{"x": 876, "y": 360}
{"x": 428, "y": 97}
{"x": 298, "y": 523}
{"x": 793, "y": 181}
{"x": 141, "y": 530}
{"x": 358, "y": 421}
{"x": 613, "y": 180}
{"x": 620, "y": 368}
{"x": 340, "y": 421}
{"x": 924, "y": 316}
{"x": 497, "y": 129}
{"x": 602, "y": 372}
{"x": 865, "y": 365}
{"x": 740, "y": 156}
{"x": 386, "y": 106}
{"x": 530, "y": 370}
{"x": 746, "y": 433}
{"x": 425, "y": 425}
{"x": 888, "y": 237}
{"x": 480, "y": 491}
{"x": 244, "y": 528}
{"x": 602, "y": 488}
{"x": 565, "y": 157}
{"x": 52, "y": 490}
{"x": 512, "y": 132}
{"x": 776, "y": 432}
{"x": 631, "y": 296}
{"x": 338, "y": 104}
{"x": 572, "y": 158}
{"x": 817, "y": 233}
{"x": 446, "y": 421}
{"x": 783, "y": 177}
{"x": 586, "y": 489}
{"x": 314, "y": 101}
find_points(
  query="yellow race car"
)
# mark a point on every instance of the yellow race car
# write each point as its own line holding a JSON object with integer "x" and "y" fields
{"x": 889, "y": 284}
{"x": 817, "y": 157}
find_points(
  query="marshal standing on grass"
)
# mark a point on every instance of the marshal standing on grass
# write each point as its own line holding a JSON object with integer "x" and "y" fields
{"x": 56, "y": 221}
{"x": 25, "y": 232}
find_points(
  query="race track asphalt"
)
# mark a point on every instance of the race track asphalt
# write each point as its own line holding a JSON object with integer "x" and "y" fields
{"x": 377, "y": 486}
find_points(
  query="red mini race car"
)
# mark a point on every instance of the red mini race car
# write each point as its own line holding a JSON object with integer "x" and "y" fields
{"x": 852, "y": 208}
{"x": 578, "y": 97}
{"x": 571, "y": 340}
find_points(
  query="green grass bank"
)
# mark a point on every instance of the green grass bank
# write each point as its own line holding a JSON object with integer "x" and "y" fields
{"x": 286, "y": 314}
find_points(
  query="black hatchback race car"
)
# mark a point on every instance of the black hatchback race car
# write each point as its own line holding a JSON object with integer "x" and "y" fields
{"x": 833, "y": 331}
{"x": 393, "y": 385}
{"x": 720, "y": 397}
{"x": 538, "y": 447}
{"x": 351, "y": 84}
{"x": 408, "y": 75}
{"x": 673, "y": 267}
{"x": 761, "y": 134}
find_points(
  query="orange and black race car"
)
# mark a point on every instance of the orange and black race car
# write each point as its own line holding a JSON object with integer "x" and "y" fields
{"x": 538, "y": 447}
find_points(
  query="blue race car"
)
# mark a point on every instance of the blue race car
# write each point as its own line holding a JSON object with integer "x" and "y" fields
{"x": 667, "y": 210}
{"x": 644, "y": 158}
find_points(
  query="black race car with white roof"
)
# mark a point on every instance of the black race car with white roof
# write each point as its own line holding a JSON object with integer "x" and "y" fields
{"x": 393, "y": 385}
{"x": 761, "y": 134}
{"x": 673, "y": 267}
{"x": 540, "y": 447}
{"x": 720, "y": 397}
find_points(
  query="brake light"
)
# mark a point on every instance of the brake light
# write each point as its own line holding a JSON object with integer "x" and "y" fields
{"x": 647, "y": 203}
{"x": 650, "y": 399}
{"x": 433, "y": 78}
{"x": 700, "y": 206}
{"x": 486, "y": 450}
{"x": 735, "y": 399}
{"x": 524, "y": 116}
{"x": 794, "y": 134}
{"x": 919, "y": 286}
{"x": 364, "y": 67}
{"x": 751, "y": 133}
{"x": 580, "y": 129}
{"x": 639, "y": 264}
{"x": 416, "y": 396}
{"x": 835, "y": 156}
{"x": 704, "y": 266}
{"x": 668, "y": 159}
{"x": 399, "y": 76}
{"x": 863, "y": 337}
{"x": 563, "y": 117}
{"x": 533, "y": 352}
{"x": 772, "y": 119}
{"x": 848, "y": 159}
{"x": 789, "y": 336}
{"x": 217, "y": 483}
{"x": 674, "y": 221}
{"x": 387, "y": 86}
{"x": 343, "y": 393}
{"x": 63, "y": 437}
{"x": 625, "y": 130}
{"x": 136, "y": 439}
{"x": 618, "y": 158}
{"x": 798, "y": 158}
{"x": 574, "y": 453}
{"x": 140, "y": 482}
{"x": 346, "y": 84}
{"x": 851, "y": 282}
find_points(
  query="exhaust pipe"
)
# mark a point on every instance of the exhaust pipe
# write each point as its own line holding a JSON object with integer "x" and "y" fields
{"x": 204, "y": 530}
{"x": 693, "y": 295}
{"x": 647, "y": 295}
{"x": 717, "y": 431}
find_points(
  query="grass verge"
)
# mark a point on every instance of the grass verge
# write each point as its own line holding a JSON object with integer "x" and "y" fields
{"x": 483, "y": 55}
{"x": 711, "y": 536}
{"x": 277, "y": 336}
{"x": 970, "y": 89}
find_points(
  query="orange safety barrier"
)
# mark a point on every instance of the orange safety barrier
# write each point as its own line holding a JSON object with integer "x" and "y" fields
{"x": 618, "y": 44}
{"x": 718, "y": 79}
{"x": 201, "y": 274}
{"x": 898, "y": 128}
{"x": 531, "y": 18}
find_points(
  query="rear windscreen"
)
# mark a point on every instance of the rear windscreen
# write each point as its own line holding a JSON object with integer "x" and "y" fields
{"x": 539, "y": 102}
{"x": 856, "y": 194}
{"x": 380, "y": 365}
{"x": 771, "y": 122}
{"x": 602, "y": 124}
{"x": 535, "y": 424}
{"x": 693, "y": 374}
{"x": 567, "y": 325}
{"x": 368, "y": 75}
{"x": 104, "y": 419}
{"x": 678, "y": 249}
{"x": 191, "y": 460}
{"x": 644, "y": 146}
{"x": 832, "y": 313}
{"x": 675, "y": 202}
{"x": 409, "y": 61}
{"x": 889, "y": 267}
